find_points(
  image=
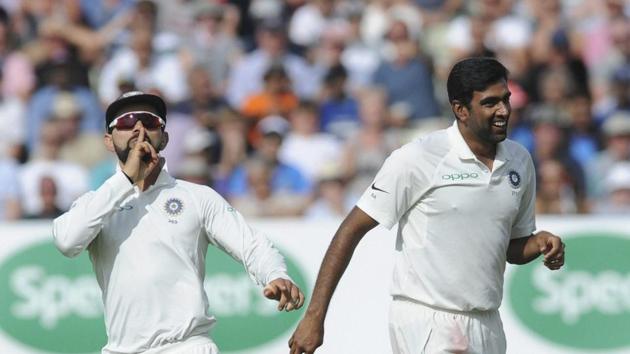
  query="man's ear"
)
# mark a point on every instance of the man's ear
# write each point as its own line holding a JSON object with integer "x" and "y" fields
{"x": 460, "y": 110}
{"x": 109, "y": 142}
{"x": 164, "y": 141}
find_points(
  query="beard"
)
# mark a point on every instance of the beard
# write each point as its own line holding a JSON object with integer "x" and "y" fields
{"x": 123, "y": 152}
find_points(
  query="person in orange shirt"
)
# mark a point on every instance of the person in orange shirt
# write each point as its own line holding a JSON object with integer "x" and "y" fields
{"x": 276, "y": 98}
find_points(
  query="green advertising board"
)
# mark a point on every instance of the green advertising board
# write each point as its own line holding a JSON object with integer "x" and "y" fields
{"x": 584, "y": 306}
{"x": 53, "y": 304}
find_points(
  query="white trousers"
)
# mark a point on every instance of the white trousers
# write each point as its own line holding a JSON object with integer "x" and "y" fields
{"x": 192, "y": 345}
{"x": 417, "y": 329}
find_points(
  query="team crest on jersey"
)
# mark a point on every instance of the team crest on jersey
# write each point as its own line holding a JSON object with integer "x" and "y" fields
{"x": 174, "y": 206}
{"x": 514, "y": 178}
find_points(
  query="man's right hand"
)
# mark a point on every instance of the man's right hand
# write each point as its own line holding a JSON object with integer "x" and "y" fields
{"x": 142, "y": 159}
{"x": 308, "y": 336}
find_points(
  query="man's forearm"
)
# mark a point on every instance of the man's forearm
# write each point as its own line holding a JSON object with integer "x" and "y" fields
{"x": 523, "y": 250}
{"x": 336, "y": 260}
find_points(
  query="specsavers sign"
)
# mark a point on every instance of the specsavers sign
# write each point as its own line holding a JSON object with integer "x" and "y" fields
{"x": 584, "y": 306}
{"x": 53, "y": 304}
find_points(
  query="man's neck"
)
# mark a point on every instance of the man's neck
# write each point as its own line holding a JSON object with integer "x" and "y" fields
{"x": 484, "y": 151}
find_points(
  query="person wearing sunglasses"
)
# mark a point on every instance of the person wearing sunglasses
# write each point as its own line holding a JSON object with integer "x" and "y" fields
{"x": 147, "y": 234}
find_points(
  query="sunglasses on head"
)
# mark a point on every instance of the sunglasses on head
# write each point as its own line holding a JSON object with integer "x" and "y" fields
{"x": 127, "y": 121}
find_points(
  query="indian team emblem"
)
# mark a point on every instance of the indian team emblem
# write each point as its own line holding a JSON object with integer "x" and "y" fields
{"x": 174, "y": 206}
{"x": 514, "y": 178}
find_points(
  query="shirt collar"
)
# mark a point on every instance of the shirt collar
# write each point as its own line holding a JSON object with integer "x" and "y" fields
{"x": 463, "y": 150}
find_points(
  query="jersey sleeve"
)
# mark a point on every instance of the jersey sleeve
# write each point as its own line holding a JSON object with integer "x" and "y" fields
{"x": 525, "y": 221}
{"x": 74, "y": 230}
{"x": 398, "y": 185}
{"x": 227, "y": 229}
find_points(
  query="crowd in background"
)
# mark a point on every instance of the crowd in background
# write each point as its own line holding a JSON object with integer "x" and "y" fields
{"x": 288, "y": 108}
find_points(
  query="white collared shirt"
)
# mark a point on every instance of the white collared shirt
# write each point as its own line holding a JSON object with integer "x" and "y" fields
{"x": 148, "y": 250}
{"x": 455, "y": 218}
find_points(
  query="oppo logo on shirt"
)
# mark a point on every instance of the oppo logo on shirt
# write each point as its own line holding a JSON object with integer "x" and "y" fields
{"x": 460, "y": 176}
{"x": 51, "y": 303}
{"x": 586, "y": 305}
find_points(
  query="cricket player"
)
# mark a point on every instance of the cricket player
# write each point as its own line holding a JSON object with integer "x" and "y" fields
{"x": 463, "y": 198}
{"x": 147, "y": 235}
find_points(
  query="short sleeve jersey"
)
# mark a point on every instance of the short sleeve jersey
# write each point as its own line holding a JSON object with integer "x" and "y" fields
{"x": 455, "y": 218}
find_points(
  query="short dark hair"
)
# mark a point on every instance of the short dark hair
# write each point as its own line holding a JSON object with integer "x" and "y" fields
{"x": 473, "y": 74}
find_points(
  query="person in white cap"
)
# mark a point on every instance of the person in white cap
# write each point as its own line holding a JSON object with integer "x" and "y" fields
{"x": 147, "y": 234}
{"x": 463, "y": 199}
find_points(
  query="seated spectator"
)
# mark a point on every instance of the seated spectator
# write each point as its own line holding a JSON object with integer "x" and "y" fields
{"x": 616, "y": 199}
{"x": 276, "y": 98}
{"x": 339, "y": 112}
{"x": 406, "y": 77}
{"x": 71, "y": 180}
{"x": 304, "y": 146}
{"x": 365, "y": 151}
{"x": 261, "y": 200}
{"x": 41, "y": 103}
{"x": 83, "y": 148}
{"x": 48, "y": 198}
{"x": 246, "y": 77}
{"x": 231, "y": 130}
{"x": 10, "y": 205}
{"x": 556, "y": 190}
{"x": 551, "y": 144}
{"x": 331, "y": 199}
{"x": 616, "y": 132}
{"x": 284, "y": 177}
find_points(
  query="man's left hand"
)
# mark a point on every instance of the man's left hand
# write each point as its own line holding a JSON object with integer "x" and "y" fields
{"x": 288, "y": 295}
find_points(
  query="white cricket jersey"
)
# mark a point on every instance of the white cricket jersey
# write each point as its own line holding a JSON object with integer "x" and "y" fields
{"x": 455, "y": 218}
{"x": 148, "y": 251}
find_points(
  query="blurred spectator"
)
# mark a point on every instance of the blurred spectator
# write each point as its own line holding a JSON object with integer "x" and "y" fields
{"x": 366, "y": 150}
{"x": 40, "y": 107}
{"x": 606, "y": 45}
{"x": 13, "y": 127}
{"x": 204, "y": 95}
{"x": 10, "y": 206}
{"x": 232, "y": 131}
{"x": 284, "y": 179}
{"x": 310, "y": 20}
{"x": 210, "y": 47}
{"x": 406, "y": 77}
{"x": 87, "y": 148}
{"x": 559, "y": 74}
{"x": 276, "y": 98}
{"x": 305, "y": 147}
{"x": 550, "y": 124}
{"x": 360, "y": 60}
{"x": 556, "y": 190}
{"x": 616, "y": 132}
{"x": 48, "y": 198}
{"x": 584, "y": 139}
{"x": 16, "y": 70}
{"x": 507, "y": 35}
{"x": 246, "y": 77}
{"x": 195, "y": 169}
{"x": 331, "y": 199}
{"x": 71, "y": 180}
{"x": 339, "y": 112}
{"x": 378, "y": 16}
{"x": 100, "y": 12}
{"x": 261, "y": 200}
{"x": 616, "y": 199}
{"x": 141, "y": 64}
{"x": 619, "y": 99}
